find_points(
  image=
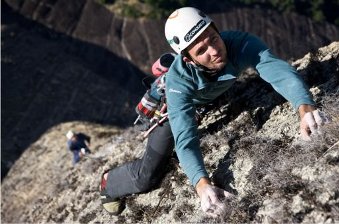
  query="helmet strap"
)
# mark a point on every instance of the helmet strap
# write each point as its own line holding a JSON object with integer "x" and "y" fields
{"x": 200, "y": 67}
{"x": 210, "y": 72}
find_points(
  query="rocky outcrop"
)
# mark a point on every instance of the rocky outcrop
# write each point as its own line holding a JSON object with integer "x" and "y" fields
{"x": 141, "y": 41}
{"x": 83, "y": 72}
{"x": 250, "y": 145}
{"x": 89, "y": 56}
{"x": 49, "y": 78}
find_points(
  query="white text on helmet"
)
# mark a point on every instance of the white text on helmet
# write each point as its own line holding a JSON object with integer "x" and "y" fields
{"x": 194, "y": 30}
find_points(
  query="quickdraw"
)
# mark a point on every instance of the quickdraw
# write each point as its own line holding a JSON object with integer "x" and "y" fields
{"x": 162, "y": 120}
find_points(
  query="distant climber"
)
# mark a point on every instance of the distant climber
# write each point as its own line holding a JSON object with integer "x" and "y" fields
{"x": 78, "y": 144}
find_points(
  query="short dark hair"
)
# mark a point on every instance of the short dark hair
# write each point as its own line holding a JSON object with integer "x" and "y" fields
{"x": 186, "y": 54}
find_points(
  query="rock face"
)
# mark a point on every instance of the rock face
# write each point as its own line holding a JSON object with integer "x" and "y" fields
{"x": 54, "y": 82}
{"x": 89, "y": 56}
{"x": 49, "y": 78}
{"x": 142, "y": 41}
{"x": 250, "y": 145}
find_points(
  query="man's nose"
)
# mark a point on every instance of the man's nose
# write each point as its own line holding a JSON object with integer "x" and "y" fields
{"x": 213, "y": 50}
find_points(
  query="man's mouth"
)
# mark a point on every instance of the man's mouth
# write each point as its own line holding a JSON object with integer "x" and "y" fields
{"x": 217, "y": 59}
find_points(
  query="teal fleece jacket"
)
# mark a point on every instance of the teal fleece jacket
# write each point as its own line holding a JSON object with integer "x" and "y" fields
{"x": 187, "y": 86}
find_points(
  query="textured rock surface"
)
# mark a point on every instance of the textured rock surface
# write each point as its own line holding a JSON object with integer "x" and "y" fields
{"x": 86, "y": 42}
{"x": 253, "y": 151}
{"x": 251, "y": 144}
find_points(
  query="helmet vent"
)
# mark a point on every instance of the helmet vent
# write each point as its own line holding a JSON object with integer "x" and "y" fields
{"x": 176, "y": 40}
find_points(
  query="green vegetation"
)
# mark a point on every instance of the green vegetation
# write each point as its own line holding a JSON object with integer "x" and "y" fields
{"x": 154, "y": 9}
{"x": 317, "y": 10}
{"x": 162, "y": 8}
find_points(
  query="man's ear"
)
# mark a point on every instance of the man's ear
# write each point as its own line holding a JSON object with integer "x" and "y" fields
{"x": 187, "y": 60}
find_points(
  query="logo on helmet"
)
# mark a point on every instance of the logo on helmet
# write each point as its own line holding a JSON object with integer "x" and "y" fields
{"x": 194, "y": 30}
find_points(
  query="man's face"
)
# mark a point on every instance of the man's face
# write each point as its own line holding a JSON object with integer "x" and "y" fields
{"x": 209, "y": 50}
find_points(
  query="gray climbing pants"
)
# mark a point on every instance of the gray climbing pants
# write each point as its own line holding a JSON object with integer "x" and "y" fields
{"x": 146, "y": 173}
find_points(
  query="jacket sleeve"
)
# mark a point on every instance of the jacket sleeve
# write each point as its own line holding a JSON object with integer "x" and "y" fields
{"x": 156, "y": 89}
{"x": 88, "y": 139}
{"x": 181, "y": 111}
{"x": 284, "y": 79}
{"x": 252, "y": 52}
{"x": 84, "y": 137}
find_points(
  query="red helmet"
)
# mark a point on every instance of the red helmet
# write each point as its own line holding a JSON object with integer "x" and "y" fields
{"x": 162, "y": 65}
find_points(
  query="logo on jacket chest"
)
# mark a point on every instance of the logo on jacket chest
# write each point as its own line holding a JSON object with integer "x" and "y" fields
{"x": 174, "y": 91}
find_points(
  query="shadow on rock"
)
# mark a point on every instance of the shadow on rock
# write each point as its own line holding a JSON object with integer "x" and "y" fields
{"x": 49, "y": 78}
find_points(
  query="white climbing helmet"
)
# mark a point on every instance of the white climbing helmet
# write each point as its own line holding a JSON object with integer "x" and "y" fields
{"x": 69, "y": 134}
{"x": 183, "y": 26}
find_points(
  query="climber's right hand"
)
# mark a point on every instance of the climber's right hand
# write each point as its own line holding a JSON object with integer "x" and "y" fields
{"x": 211, "y": 197}
{"x": 310, "y": 123}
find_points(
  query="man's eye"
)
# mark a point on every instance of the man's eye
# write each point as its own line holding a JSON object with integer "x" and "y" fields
{"x": 201, "y": 51}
